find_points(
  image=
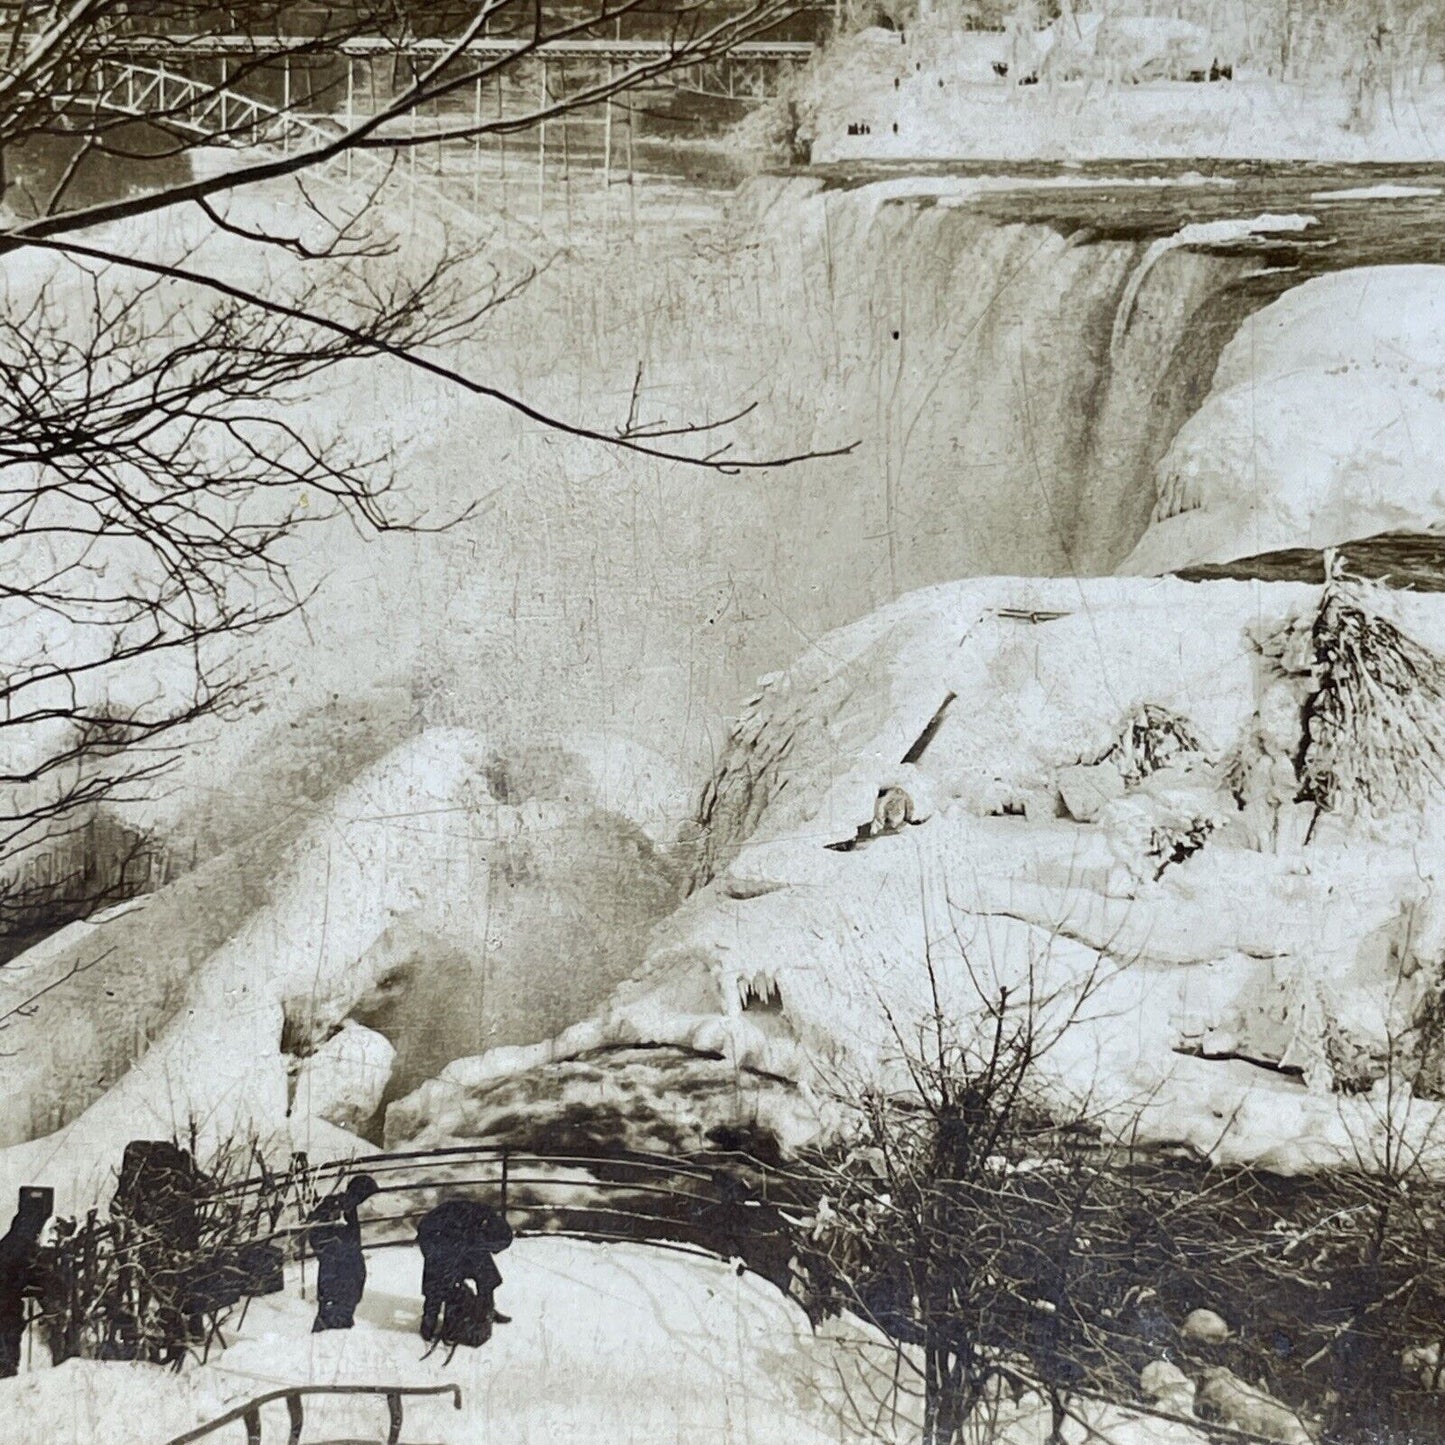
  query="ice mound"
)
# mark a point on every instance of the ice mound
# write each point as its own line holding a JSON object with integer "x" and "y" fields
{"x": 415, "y": 903}
{"x": 1324, "y": 425}
{"x": 1247, "y": 970}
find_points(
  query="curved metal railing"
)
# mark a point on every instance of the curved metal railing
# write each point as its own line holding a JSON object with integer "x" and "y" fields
{"x": 249, "y": 1414}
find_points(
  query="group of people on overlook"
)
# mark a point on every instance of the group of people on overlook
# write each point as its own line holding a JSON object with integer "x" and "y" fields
{"x": 458, "y": 1239}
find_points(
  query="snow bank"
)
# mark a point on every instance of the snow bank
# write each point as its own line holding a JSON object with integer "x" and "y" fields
{"x": 1252, "y": 1031}
{"x": 344, "y": 1080}
{"x": 386, "y": 847}
{"x": 1324, "y": 424}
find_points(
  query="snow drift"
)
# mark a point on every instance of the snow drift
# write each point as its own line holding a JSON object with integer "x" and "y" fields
{"x": 607, "y": 1344}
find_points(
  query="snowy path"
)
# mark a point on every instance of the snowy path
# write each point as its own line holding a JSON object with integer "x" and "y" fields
{"x": 614, "y": 1344}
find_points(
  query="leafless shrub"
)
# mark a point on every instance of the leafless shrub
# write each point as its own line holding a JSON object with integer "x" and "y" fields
{"x": 1375, "y": 723}
{"x": 993, "y": 1232}
{"x": 159, "y": 1278}
{"x": 1152, "y": 738}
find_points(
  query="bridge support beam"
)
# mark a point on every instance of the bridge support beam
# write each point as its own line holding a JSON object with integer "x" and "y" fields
{"x": 477, "y": 144}
{"x": 607, "y": 137}
{"x": 350, "y": 106}
{"x": 542, "y": 142}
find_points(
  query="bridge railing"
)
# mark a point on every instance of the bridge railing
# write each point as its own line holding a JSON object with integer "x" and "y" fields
{"x": 724, "y": 1205}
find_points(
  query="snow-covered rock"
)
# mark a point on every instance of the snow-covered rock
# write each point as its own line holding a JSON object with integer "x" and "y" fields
{"x": 1088, "y": 788}
{"x": 343, "y": 1081}
{"x": 1242, "y": 1406}
{"x": 1422, "y": 1363}
{"x": 1168, "y": 1387}
{"x": 1204, "y": 1327}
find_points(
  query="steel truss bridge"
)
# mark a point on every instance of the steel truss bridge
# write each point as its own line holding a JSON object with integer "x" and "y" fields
{"x": 186, "y": 84}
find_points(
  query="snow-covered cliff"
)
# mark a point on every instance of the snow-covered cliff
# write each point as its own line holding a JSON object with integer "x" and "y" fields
{"x": 1324, "y": 424}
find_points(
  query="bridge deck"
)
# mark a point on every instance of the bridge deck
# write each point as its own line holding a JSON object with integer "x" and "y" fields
{"x": 199, "y": 45}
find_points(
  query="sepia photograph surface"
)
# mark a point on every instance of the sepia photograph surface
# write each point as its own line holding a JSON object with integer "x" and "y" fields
{"x": 722, "y": 722}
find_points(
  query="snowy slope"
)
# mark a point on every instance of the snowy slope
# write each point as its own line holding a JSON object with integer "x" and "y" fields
{"x": 414, "y": 879}
{"x": 1233, "y": 996}
{"x": 607, "y": 1345}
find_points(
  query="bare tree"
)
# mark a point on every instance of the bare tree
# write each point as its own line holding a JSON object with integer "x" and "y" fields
{"x": 958, "y": 1211}
{"x": 157, "y": 458}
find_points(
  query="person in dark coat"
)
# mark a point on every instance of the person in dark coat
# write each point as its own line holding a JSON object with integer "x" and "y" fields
{"x": 459, "y": 1277}
{"x": 19, "y": 1251}
{"x": 335, "y": 1239}
{"x": 157, "y": 1209}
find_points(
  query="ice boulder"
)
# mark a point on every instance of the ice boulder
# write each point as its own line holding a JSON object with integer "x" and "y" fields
{"x": 343, "y": 1081}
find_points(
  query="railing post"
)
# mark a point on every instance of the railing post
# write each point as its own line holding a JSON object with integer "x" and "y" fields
{"x": 297, "y": 1411}
{"x": 504, "y": 1184}
{"x": 350, "y": 105}
{"x": 502, "y": 150}
{"x": 393, "y": 1415}
{"x": 477, "y": 144}
{"x": 631, "y": 164}
{"x": 252, "y": 1421}
{"x": 301, "y": 1255}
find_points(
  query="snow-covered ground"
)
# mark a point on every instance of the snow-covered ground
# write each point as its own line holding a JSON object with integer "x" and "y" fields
{"x": 612, "y": 1344}
{"x": 607, "y": 1345}
{"x": 931, "y": 93}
